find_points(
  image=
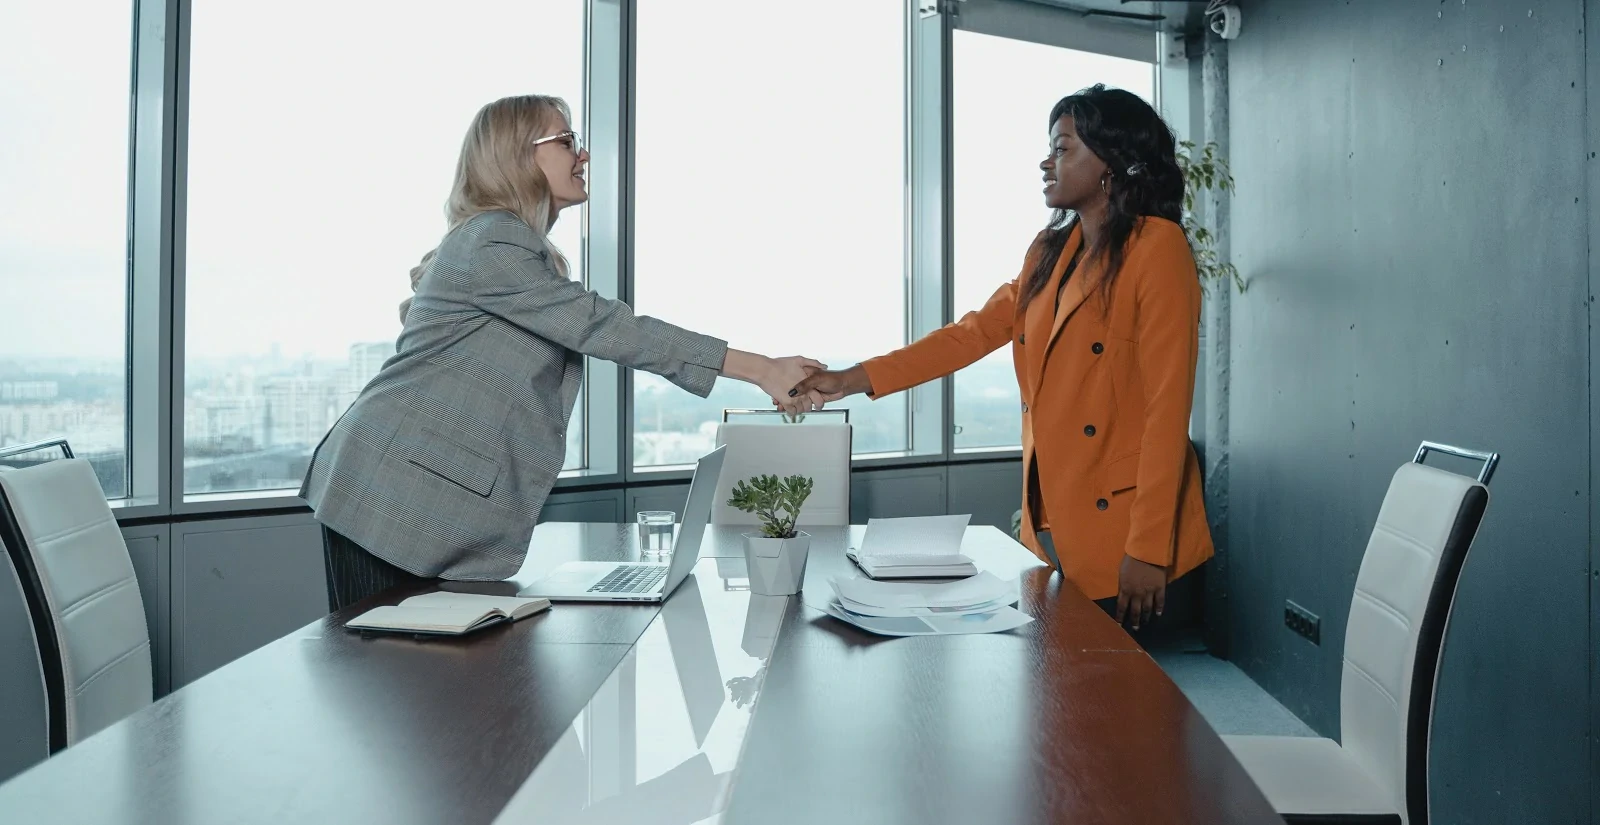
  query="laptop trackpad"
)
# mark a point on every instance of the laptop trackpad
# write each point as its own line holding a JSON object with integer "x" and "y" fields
{"x": 563, "y": 581}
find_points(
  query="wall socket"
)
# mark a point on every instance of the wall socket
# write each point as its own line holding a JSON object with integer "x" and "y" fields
{"x": 1302, "y": 621}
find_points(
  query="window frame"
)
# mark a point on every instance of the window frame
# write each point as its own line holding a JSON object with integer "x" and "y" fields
{"x": 1032, "y": 23}
{"x": 152, "y": 157}
{"x": 599, "y": 408}
{"x": 922, "y": 296}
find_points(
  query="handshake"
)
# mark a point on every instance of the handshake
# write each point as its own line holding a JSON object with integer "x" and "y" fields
{"x": 800, "y": 385}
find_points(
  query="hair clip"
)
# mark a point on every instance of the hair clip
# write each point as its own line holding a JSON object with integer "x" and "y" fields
{"x": 1135, "y": 169}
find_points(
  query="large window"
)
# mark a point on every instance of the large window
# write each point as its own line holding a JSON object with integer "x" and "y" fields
{"x": 769, "y": 199}
{"x": 65, "y": 75}
{"x": 1002, "y": 95}
{"x": 323, "y": 137}
{"x": 227, "y": 195}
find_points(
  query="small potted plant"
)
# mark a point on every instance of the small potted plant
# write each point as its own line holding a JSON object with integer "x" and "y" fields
{"x": 776, "y": 555}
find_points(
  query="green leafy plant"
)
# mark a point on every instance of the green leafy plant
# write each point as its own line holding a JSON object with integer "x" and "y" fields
{"x": 776, "y": 502}
{"x": 1203, "y": 170}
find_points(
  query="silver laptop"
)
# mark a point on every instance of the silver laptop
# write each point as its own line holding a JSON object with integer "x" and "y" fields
{"x": 609, "y": 581}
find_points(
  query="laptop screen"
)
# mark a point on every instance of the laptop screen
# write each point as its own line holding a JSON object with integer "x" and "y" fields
{"x": 696, "y": 515}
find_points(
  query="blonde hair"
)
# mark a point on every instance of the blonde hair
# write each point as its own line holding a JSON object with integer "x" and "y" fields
{"x": 496, "y": 171}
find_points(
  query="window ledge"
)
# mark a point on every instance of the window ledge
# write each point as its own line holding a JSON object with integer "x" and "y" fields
{"x": 986, "y": 454}
{"x": 859, "y": 461}
{"x": 582, "y": 474}
{"x": 239, "y": 501}
{"x": 584, "y": 478}
{"x": 143, "y": 502}
{"x": 128, "y": 509}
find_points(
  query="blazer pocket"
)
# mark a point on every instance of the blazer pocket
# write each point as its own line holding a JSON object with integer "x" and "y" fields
{"x": 1122, "y": 473}
{"x": 456, "y": 464}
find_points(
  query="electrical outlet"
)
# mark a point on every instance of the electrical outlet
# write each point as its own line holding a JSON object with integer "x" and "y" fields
{"x": 1302, "y": 621}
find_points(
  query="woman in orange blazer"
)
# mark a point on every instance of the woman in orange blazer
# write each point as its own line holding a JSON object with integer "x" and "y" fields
{"x": 1104, "y": 325}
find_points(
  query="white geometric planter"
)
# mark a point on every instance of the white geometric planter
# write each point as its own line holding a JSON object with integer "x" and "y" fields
{"x": 777, "y": 566}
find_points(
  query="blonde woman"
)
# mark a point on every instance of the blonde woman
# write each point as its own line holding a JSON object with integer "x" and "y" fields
{"x": 442, "y": 464}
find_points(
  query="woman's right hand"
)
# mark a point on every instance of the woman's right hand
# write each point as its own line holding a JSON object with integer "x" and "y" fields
{"x": 775, "y": 376}
{"x": 832, "y": 385}
{"x": 782, "y": 374}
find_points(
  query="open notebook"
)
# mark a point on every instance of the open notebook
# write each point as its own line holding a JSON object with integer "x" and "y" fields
{"x": 447, "y": 614}
{"x": 918, "y": 547}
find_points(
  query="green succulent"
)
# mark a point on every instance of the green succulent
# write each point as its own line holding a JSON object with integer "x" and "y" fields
{"x": 776, "y": 502}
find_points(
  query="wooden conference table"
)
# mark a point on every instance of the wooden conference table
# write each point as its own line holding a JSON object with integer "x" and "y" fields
{"x": 719, "y": 707}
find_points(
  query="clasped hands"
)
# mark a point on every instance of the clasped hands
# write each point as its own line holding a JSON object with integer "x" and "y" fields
{"x": 800, "y": 385}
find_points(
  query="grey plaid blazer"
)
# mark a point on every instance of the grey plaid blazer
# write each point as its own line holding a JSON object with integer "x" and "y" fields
{"x": 443, "y": 462}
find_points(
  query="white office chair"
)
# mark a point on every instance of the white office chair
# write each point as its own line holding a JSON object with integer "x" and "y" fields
{"x": 87, "y": 610}
{"x": 820, "y": 451}
{"x": 1378, "y": 771}
{"x": 24, "y": 715}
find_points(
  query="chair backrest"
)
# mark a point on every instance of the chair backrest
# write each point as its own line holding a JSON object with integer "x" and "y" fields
{"x": 15, "y": 454}
{"x": 820, "y": 451}
{"x": 1398, "y": 617}
{"x": 67, "y": 548}
{"x": 24, "y": 712}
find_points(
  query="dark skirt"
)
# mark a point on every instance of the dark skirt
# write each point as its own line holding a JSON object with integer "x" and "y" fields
{"x": 1180, "y": 613}
{"x": 354, "y": 574}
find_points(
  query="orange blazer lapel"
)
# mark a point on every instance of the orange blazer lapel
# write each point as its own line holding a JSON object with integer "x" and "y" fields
{"x": 1043, "y": 316}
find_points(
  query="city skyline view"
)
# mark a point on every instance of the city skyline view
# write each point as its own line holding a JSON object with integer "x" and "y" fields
{"x": 251, "y": 423}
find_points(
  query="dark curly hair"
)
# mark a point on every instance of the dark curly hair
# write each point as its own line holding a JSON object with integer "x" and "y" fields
{"x": 1132, "y": 139}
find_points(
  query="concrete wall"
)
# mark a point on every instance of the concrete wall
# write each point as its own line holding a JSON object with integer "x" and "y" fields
{"x": 1413, "y": 218}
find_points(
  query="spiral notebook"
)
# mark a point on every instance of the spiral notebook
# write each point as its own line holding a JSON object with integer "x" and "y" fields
{"x": 447, "y": 614}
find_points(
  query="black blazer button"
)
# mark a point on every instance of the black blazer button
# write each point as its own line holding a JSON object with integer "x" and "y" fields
{"x": 1089, "y": 431}
{"x": 1101, "y": 504}
{"x": 1097, "y": 348}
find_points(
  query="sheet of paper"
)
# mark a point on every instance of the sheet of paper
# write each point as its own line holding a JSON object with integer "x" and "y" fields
{"x": 453, "y": 618}
{"x": 822, "y": 601}
{"x": 938, "y": 560}
{"x": 900, "y": 612}
{"x": 999, "y": 621}
{"x": 475, "y": 601}
{"x": 915, "y": 535}
{"x": 982, "y": 588}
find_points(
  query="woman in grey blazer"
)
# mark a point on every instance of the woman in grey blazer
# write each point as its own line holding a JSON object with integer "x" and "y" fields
{"x": 442, "y": 464}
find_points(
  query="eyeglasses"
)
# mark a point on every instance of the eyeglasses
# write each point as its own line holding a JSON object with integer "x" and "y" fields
{"x": 569, "y": 138}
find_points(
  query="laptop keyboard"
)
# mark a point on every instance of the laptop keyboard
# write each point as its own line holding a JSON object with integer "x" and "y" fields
{"x": 633, "y": 578}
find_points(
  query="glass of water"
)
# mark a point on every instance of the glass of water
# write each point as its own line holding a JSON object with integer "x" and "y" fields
{"x": 655, "y": 534}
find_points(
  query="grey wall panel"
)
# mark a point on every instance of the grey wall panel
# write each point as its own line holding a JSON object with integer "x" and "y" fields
{"x": 239, "y": 584}
{"x": 24, "y": 719}
{"x": 664, "y": 497}
{"x": 914, "y": 491}
{"x": 604, "y": 506}
{"x": 990, "y": 491}
{"x": 1591, "y": 14}
{"x": 149, "y": 547}
{"x": 1411, "y": 216}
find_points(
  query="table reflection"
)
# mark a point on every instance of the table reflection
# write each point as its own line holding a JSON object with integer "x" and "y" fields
{"x": 661, "y": 738}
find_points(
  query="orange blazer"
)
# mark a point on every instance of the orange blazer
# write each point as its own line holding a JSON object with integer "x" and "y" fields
{"x": 1107, "y": 386}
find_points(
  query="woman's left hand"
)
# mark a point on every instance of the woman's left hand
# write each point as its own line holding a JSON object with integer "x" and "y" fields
{"x": 1142, "y": 590}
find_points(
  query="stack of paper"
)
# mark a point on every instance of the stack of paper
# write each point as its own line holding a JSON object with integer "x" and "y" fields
{"x": 920, "y": 547}
{"x": 980, "y": 604}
